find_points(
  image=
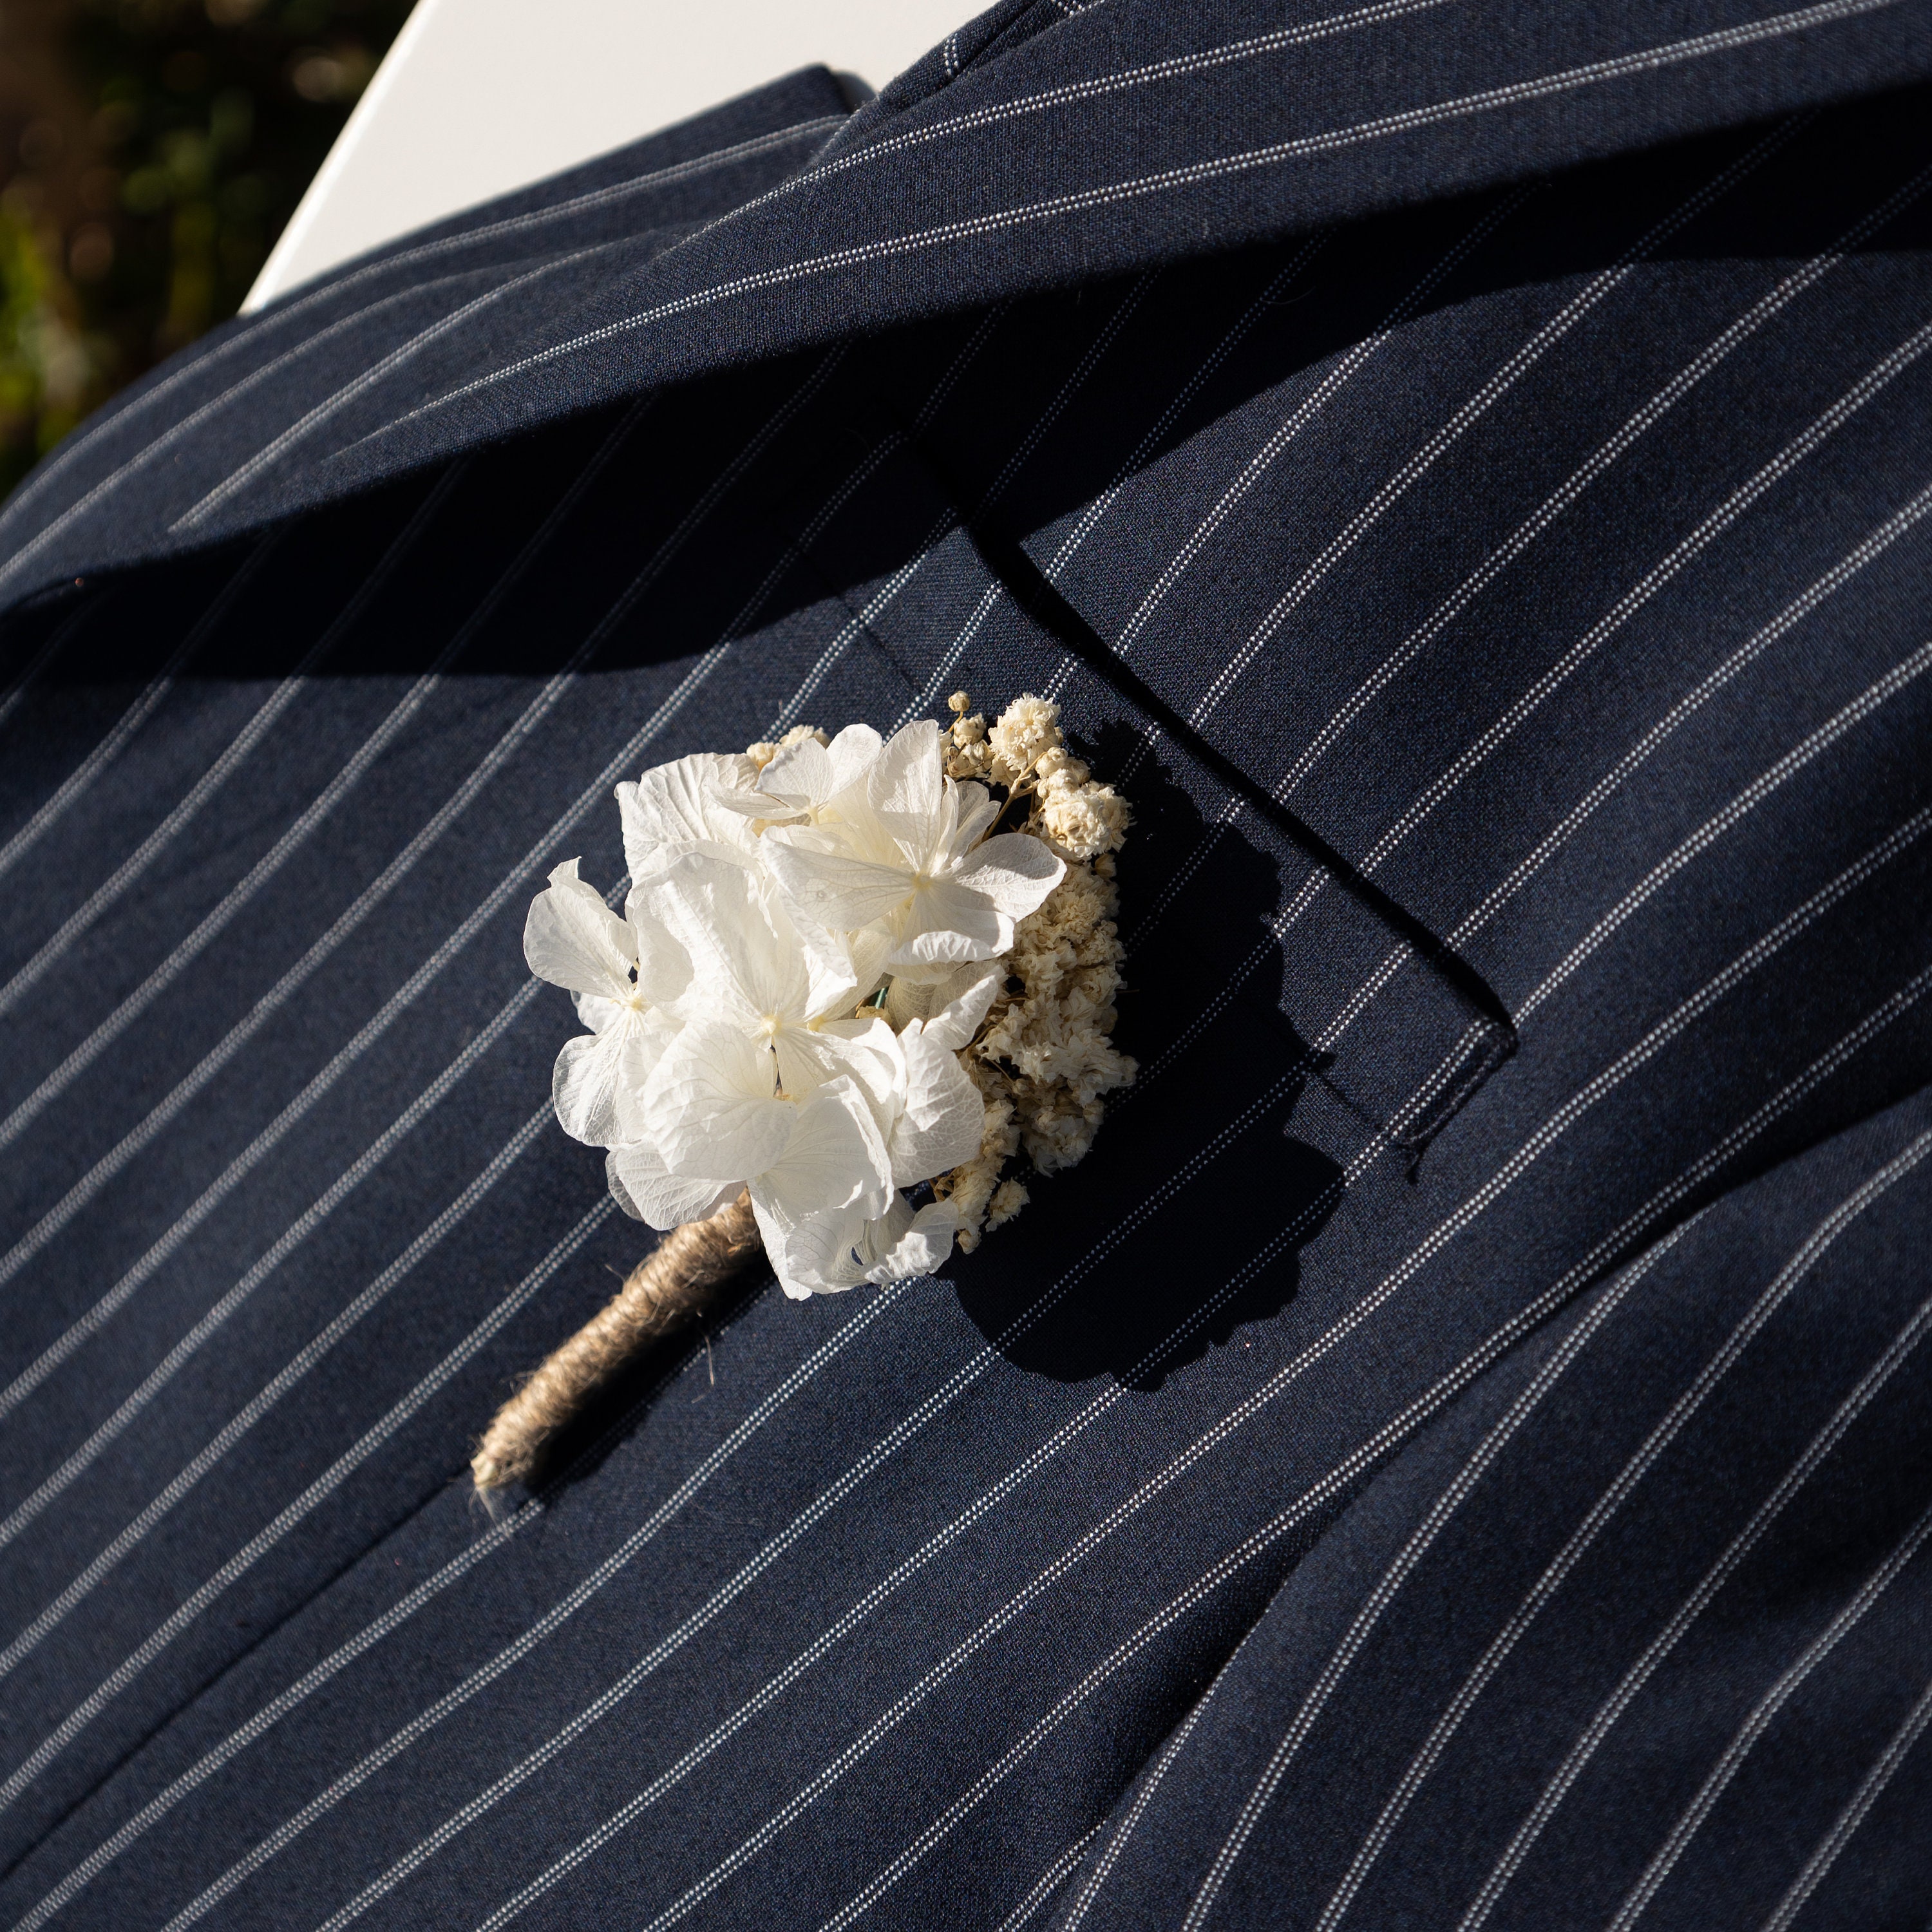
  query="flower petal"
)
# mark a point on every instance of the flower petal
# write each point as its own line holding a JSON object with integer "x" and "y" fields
{"x": 966, "y": 995}
{"x": 920, "y": 1249}
{"x": 833, "y": 1179}
{"x": 647, "y": 1191}
{"x": 948, "y": 923}
{"x": 977, "y": 810}
{"x": 854, "y": 752}
{"x": 673, "y": 807}
{"x": 597, "y": 1085}
{"x": 664, "y": 967}
{"x": 943, "y": 1117}
{"x": 801, "y": 776}
{"x": 832, "y": 889}
{"x": 836, "y": 1251}
{"x": 572, "y": 939}
{"x": 745, "y": 964}
{"x": 1013, "y": 869}
{"x": 907, "y": 787}
{"x": 711, "y": 1105}
{"x": 865, "y": 1050}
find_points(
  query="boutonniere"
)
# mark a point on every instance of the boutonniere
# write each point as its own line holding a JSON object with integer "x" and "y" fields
{"x": 854, "y": 979}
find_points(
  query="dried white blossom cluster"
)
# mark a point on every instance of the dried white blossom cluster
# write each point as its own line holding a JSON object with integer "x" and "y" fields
{"x": 837, "y": 977}
{"x": 1044, "y": 1057}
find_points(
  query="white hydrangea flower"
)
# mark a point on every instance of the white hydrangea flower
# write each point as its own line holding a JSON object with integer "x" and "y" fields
{"x": 939, "y": 1116}
{"x": 626, "y": 974}
{"x": 806, "y": 782}
{"x": 816, "y": 933}
{"x": 914, "y": 860}
{"x": 682, "y": 807}
{"x": 825, "y": 1181}
{"x": 833, "y": 1252}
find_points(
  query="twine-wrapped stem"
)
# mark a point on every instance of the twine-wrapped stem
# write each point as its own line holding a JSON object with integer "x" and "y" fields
{"x": 661, "y": 1293}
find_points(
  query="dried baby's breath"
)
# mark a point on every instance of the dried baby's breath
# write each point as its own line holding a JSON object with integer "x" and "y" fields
{"x": 1045, "y": 1058}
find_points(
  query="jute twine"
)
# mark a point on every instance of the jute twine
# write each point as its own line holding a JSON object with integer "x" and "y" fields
{"x": 661, "y": 1294}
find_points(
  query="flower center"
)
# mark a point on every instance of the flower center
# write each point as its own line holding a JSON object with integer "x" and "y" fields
{"x": 771, "y": 1026}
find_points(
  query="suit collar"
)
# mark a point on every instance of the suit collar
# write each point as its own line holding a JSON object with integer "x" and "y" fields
{"x": 1038, "y": 147}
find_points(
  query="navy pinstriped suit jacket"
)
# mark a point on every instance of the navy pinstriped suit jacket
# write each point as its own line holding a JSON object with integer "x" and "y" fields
{"x": 1458, "y": 1455}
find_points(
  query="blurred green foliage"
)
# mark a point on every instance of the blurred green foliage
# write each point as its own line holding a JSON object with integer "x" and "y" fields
{"x": 151, "y": 151}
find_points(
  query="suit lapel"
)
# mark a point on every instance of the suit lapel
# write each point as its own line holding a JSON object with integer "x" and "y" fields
{"x": 1037, "y": 147}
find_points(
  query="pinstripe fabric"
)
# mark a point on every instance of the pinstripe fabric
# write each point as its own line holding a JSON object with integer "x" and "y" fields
{"x": 1455, "y": 1455}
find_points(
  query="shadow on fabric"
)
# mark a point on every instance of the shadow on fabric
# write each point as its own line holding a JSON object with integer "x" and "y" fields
{"x": 1117, "y": 1314}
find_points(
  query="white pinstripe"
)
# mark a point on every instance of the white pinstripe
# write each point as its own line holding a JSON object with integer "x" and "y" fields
{"x": 1330, "y": 1489}
{"x": 995, "y": 592}
{"x": 1687, "y": 1404}
{"x": 1446, "y": 1506}
{"x": 186, "y": 1613}
{"x": 1662, "y": 1203}
{"x": 115, "y": 742}
{"x": 1776, "y": 26}
{"x": 1089, "y": 518}
{"x": 265, "y": 717}
{"x": 1621, "y": 1237}
{"x": 201, "y": 1333}
{"x": 829, "y": 1498}
{"x": 451, "y": 1573}
{"x": 1424, "y": 458}
{"x": 1720, "y": 520}
{"x": 1310, "y": 1503}
{"x": 1068, "y": 1561}
{"x": 807, "y": 1660}
{"x": 1869, "y": 547}
{"x": 792, "y": 553}
{"x": 284, "y": 312}
{"x": 1324, "y": 1494}
{"x": 239, "y": 479}
{"x": 1178, "y": 67}
{"x": 187, "y": 1347}
{"x": 96, "y": 1318}
{"x": 140, "y": 1528}
{"x": 1309, "y": 1216}
{"x": 151, "y": 1814}
{"x": 1559, "y": 1123}
{"x": 1143, "y": 1797}
{"x": 948, "y": 520}
{"x": 239, "y": 896}
{"x": 258, "y": 1405}
{"x": 515, "y": 881}
{"x": 1874, "y": 697}
{"x": 1754, "y": 1726}
{"x": 58, "y": 641}
{"x": 167, "y": 440}
{"x": 1819, "y": 1865}
{"x": 1420, "y": 1541}
{"x": 1338, "y": 377}
{"x": 1050, "y": 1881}
{"x": 1660, "y": 1647}
{"x": 270, "y": 863}
{"x": 210, "y": 1324}
{"x": 1593, "y": 468}
{"x": 1727, "y": 514}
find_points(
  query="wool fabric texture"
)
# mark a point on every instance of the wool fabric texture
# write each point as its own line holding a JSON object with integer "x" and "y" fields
{"x": 1457, "y": 1455}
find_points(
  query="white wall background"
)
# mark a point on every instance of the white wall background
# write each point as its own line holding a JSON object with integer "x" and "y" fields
{"x": 479, "y": 97}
